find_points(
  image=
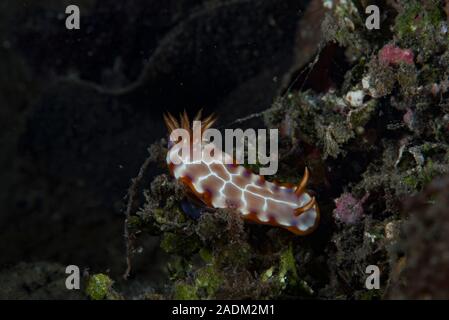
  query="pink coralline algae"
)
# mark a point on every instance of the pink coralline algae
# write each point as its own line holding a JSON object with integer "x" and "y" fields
{"x": 409, "y": 119}
{"x": 393, "y": 55}
{"x": 348, "y": 209}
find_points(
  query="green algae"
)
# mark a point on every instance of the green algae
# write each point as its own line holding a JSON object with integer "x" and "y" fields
{"x": 209, "y": 280}
{"x": 173, "y": 243}
{"x": 99, "y": 287}
{"x": 418, "y": 26}
{"x": 288, "y": 274}
{"x": 185, "y": 292}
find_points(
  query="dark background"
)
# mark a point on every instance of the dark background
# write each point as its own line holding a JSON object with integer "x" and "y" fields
{"x": 79, "y": 108}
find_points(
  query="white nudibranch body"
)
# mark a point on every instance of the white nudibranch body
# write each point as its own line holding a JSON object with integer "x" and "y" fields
{"x": 221, "y": 185}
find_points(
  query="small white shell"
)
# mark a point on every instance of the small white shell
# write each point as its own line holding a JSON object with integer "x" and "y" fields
{"x": 355, "y": 98}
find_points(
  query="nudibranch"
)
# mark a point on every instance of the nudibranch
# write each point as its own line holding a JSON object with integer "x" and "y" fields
{"x": 218, "y": 184}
